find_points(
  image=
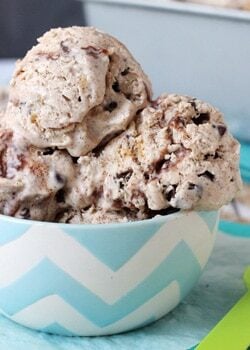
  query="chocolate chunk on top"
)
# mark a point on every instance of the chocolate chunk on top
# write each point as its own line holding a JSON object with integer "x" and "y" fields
{"x": 202, "y": 118}
{"x": 222, "y": 129}
{"x": 208, "y": 175}
{"x": 116, "y": 86}
{"x": 111, "y": 106}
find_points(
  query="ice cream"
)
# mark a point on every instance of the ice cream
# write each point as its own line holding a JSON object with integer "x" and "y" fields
{"x": 81, "y": 141}
{"x": 94, "y": 215}
{"x": 75, "y": 89}
{"x": 177, "y": 153}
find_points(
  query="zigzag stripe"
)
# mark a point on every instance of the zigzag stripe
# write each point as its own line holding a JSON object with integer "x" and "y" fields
{"x": 56, "y": 328}
{"x": 10, "y": 232}
{"x": 52, "y": 245}
{"x": 47, "y": 279}
{"x": 54, "y": 314}
{"x": 211, "y": 218}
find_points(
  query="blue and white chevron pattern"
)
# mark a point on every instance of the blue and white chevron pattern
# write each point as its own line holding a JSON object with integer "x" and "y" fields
{"x": 95, "y": 280}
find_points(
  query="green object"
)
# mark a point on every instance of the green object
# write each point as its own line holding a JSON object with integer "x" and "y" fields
{"x": 233, "y": 331}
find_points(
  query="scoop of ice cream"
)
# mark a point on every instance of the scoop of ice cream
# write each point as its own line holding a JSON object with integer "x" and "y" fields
{"x": 199, "y": 168}
{"x": 177, "y": 153}
{"x": 74, "y": 90}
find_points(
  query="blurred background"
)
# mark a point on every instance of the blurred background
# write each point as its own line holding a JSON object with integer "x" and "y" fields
{"x": 22, "y": 21}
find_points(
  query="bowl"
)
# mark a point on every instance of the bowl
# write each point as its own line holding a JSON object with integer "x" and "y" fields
{"x": 89, "y": 280}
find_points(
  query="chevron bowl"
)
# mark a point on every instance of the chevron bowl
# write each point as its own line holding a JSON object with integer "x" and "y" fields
{"x": 100, "y": 279}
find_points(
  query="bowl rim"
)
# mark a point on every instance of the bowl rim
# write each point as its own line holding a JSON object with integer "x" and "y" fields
{"x": 156, "y": 219}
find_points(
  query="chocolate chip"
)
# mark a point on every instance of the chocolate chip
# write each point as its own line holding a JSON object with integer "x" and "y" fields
{"x": 87, "y": 208}
{"x": 66, "y": 98}
{"x": 116, "y": 86}
{"x": 48, "y": 151}
{"x": 98, "y": 150}
{"x": 139, "y": 111}
{"x": 146, "y": 176}
{"x": 64, "y": 47}
{"x": 222, "y": 129}
{"x": 125, "y": 175}
{"x": 117, "y": 203}
{"x": 202, "y": 118}
{"x": 125, "y": 72}
{"x": 193, "y": 104}
{"x": 208, "y": 175}
{"x": 161, "y": 164}
{"x": 167, "y": 211}
{"x": 214, "y": 156}
{"x": 25, "y": 213}
{"x": 60, "y": 196}
{"x": 111, "y": 106}
{"x": 191, "y": 186}
{"x": 171, "y": 193}
{"x": 94, "y": 51}
{"x": 59, "y": 178}
{"x": 75, "y": 159}
{"x": 79, "y": 99}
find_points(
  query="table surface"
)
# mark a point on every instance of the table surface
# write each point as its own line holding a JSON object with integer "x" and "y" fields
{"x": 218, "y": 289}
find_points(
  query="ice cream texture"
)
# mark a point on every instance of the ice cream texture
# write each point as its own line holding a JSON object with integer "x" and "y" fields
{"x": 76, "y": 88}
{"x": 81, "y": 140}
